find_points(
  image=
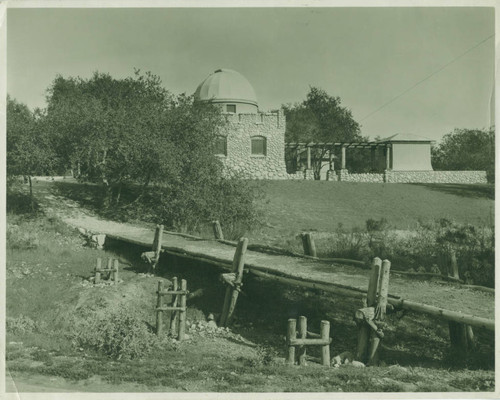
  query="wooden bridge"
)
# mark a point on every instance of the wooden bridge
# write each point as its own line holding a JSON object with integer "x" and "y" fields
{"x": 443, "y": 300}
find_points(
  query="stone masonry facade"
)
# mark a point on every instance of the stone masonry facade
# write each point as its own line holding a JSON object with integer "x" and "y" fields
{"x": 239, "y": 131}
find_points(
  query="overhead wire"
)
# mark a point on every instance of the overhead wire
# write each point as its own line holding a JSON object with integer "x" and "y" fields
{"x": 427, "y": 77}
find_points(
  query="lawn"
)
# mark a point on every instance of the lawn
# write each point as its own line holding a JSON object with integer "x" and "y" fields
{"x": 322, "y": 205}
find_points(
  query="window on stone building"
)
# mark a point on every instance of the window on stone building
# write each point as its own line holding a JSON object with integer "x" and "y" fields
{"x": 231, "y": 108}
{"x": 259, "y": 145}
{"x": 221, "y": 145}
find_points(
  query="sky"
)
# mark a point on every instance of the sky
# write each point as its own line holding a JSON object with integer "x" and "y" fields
{"x": 423, "y": 71}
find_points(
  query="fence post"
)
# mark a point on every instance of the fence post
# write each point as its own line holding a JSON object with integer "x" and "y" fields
{"x": 308, "y": 244}
{"x": 217, "y": 230}
{"x": 325, "y": 349}
{"x": 380, "y": 309}
{"x": 97, "y": 278}
{"x": 291, "y": 334}
{"x": 454, "y": 264}
{"x": 182, "y": 313}
{"x": 232, "y": 292}
{"x": 371, "y": 297}
{"x": 302, "y": 335}
{"x": 174, "y": 315}
{"x": 157, "y": 245}
{"x": 159, "y": 314}
{"x": 115, "y": 272}
{"x": 109, "y": 267}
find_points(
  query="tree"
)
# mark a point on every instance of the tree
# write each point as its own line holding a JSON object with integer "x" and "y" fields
{"x": 466, "y": 149}
{"x": 132, "y": 132}
{"x": 320, "y": 118}
{"x": 29, "y": 151}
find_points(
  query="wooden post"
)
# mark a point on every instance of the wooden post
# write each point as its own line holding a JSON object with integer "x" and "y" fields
{"x": 308, "y": 244}
{"x": 454, "y": 264}
{"x": 302, "y": 335}
{"x": 115, "y": 272}
{"x": 159, "y": 314}
{"x": 380, "y": 309}
{"x": 308, "y": 158}
{"x": 97, "y": 278}
{"x": 157, "y": 244}
{"x": 232, "y": 292}
{"x": 182, "y": 313}
{"x": 291, "y": 334}
{"x": 371, "y": 297}
{"x": 175, "y": 315}
{"x": 330, "y": 160}
{"x": 343, "y": 161}
{"x": 217, "y": 230}
{"x": 325, "y": 350}
{"x": 387, "y": 157}
{"x": 109, "y": 267}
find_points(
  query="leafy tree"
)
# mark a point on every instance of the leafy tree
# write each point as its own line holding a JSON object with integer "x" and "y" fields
{"x": 320, "y": 118}
{"x": 29, "y": 151}
{"x": 466, "y": 149}
{"x": 121, "y": 133}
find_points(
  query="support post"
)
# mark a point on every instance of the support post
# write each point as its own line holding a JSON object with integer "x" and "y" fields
{"x": 174, "y": 315}
{"x": 308, "y": 244}
{"x": 157, "y": 245}
{"x": 325, "y": 350}
{"x": 109, "y": 268}
{"x": 115, "y": 271}
{"x": 308, "y": 158}
{"x": 330, "y": 160}
{"x": 232, "y": 291}
{"x": 159, "y": 314}
{"x": 371, "y": 297}
{"x": 343, "y": 158}
{"x": 217, "y": 230}
{"x": 387, "y": 157}
{"x": 182, "y": 313}
{"x": 454, "y": 264}
{"x": 291, "y": 334}
{"x": 302, "y": 335}
{"x": 380, "y": 310}
{"x": 97, "y": 278}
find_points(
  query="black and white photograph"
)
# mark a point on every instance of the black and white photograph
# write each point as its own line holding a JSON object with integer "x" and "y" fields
{"x": 216, "y": 200}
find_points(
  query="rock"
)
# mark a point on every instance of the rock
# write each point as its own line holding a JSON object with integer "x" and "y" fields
{"x": 336, "y": 360}
{"x": 211, "y": 325}
{"x": 357, "y": 364}
{"x": 83, "y": 231}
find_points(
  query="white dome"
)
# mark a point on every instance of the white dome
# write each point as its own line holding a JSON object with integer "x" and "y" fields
{"x": 226, "y": 86}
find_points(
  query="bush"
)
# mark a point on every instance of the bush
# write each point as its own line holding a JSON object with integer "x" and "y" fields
{"x": 21, "y": 325}
{"x": 425, "y": 250}
{"x": 21, "y": 240}
{"x": 116, "y": 332}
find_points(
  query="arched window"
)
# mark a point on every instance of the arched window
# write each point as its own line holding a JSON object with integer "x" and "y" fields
{"x": 221, "y": 145}
{"x": 259, "y": 146}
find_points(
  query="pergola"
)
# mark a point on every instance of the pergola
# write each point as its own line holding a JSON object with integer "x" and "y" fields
{"x": 301, "y": 147}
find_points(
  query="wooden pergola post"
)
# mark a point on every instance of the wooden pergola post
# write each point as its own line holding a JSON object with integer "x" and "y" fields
{"x": 308, "y": 158}
{"x": 387, "y": 157}
{"x": 343, "y": 157}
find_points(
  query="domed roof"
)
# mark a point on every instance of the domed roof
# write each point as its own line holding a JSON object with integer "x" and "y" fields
{"x": 226, "y": 85}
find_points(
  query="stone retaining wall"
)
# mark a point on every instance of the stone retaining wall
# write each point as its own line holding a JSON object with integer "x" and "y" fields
{"x": 369, "y": 178}
{"x": 461, "y": 177}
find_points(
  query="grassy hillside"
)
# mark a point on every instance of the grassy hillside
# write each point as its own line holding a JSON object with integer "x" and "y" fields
{"x": 294, "y": 206}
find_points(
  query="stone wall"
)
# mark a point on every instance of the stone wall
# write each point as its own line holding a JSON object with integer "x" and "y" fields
{"x": 369, "y": 178}
{"x": 239, "y": 130}
{"x": 461, "y": 177}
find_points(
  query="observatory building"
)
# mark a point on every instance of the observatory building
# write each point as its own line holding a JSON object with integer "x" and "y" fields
{"x": 252, "y": 144}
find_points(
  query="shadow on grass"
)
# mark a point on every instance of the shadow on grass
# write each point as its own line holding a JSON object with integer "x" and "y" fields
{"x": 478, "y": 191}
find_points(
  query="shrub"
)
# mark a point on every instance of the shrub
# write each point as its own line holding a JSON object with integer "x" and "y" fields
{"x": 21, "y": 325}
{"x": 114, "y": 331}
{"x": 21, "y": 240}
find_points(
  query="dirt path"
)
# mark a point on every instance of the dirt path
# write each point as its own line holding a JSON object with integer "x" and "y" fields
{"x": 443, "y": 295}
